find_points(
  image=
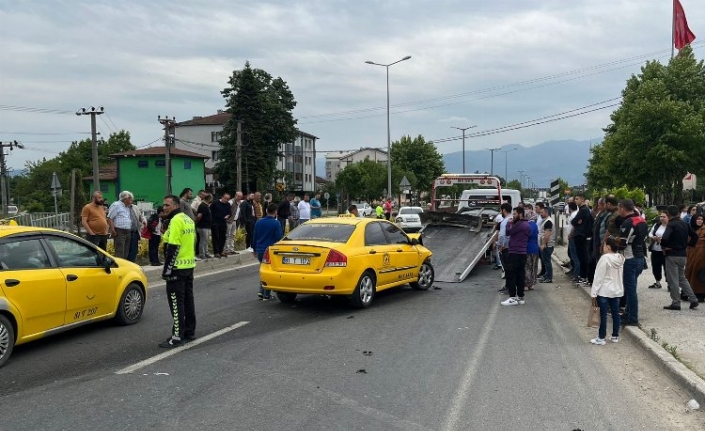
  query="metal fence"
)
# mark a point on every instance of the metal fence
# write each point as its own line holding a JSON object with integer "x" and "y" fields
{"x": 60, "y": 221}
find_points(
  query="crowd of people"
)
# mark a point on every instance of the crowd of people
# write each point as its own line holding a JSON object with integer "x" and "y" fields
{"x": 609, "y": 246}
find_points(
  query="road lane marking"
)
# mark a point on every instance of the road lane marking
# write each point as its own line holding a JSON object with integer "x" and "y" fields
{"x": 458, "y": 406}
{"x": 196, "y": 277}
{"x": 168, "y": 353}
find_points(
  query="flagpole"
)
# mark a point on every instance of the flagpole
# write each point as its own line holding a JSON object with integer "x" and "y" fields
{"x": 673, "y": 27}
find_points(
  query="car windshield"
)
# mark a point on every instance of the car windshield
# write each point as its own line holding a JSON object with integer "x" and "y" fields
{"x": 410, "y": 211}
{"x": 322, "y": 232}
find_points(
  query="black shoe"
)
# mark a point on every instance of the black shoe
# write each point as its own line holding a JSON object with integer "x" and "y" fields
{"x": 656, "y": 285}
{"x": 684, "y": 297}
{"x": 497, "y": 267}
{"x": 171, "y": 343}
{"x": 189, "y": 338}
{"x": 503, "y": 290}
{"x": 672, "y": 307}
{"x": 546, "y": 280}
{"x": 156, "y": 264}
{"x": 694, "y": 305}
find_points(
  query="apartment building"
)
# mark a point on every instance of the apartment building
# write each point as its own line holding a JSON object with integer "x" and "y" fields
{"x": 336, "y": 161}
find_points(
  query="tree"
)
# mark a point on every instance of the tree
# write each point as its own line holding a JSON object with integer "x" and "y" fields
{"x": 34, "y": 185}
{"x": 418, "y": 157}
{"x": 363, "y": 180}
{"x": 264, "y": 106}
{"x": 514, "y": 185}
{"x": 656, "y": 136}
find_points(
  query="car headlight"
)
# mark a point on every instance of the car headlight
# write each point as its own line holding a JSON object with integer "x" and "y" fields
{"x": 400, "y": 220}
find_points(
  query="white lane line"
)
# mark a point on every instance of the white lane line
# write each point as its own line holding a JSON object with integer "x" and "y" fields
{"x": 197, "y": 276}
{"x": 459, "y": 404}
{"x": 194, "y": 343}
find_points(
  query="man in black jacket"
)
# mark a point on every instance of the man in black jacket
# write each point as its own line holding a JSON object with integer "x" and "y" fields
{"x": 582, "y": 230}
{"x": 284, "y": 211}
{"x": 673, "y": 244}
{"x": 248, "y": 219}
{"x": 220, "y": 214}
{"x": 632, "y": 233}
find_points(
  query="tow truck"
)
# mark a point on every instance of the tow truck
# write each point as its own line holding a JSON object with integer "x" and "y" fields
{"x": 461, "y": 231}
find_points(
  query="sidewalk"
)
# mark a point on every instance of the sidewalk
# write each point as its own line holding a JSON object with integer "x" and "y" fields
{"x": 154, "y": 273}
{"x": 674, "y": 338}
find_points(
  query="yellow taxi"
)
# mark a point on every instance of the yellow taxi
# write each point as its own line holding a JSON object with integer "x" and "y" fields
{"x": 51, "y": 281}
{"x": 350, "y": 256}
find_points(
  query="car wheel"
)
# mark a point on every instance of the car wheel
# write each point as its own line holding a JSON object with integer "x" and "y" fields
{"x": 426, "y": 277}
{"x": 286, "y": 297}
{"x": 365, "y": 291}
{"x": 131, "y": 306}
{"x": 7, "y": 339}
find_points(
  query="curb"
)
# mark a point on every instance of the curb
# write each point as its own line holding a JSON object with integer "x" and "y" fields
{"x": 672, "y": 366}
{"x": 154, "y": 273}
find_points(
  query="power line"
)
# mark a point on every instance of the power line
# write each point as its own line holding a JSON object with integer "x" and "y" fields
{"x": 183, "y": 141}
{"x": 33, "y": 110}
{"x": 111, "y": 121}
{"x": 147, "y": 145}
{"x": 45, "y": 133}
{"x": 490, "y": 89}
{"x": 107, "y": 125}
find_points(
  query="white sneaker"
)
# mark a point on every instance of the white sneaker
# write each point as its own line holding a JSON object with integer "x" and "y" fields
{"x": 598, "y": 341}
{"x": 510, "y": 301}
{"x": 614, "y": 339}
{"x": 250, "y": 250}
{"x": 521, "y": 301}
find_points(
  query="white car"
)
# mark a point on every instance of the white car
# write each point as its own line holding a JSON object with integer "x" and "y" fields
{"x": 409, "y": 218}
{"x": 363, "y": 208}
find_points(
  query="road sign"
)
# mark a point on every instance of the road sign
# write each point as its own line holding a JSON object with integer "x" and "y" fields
{"x": 555, "y": 192}
{"x": 326, "y": 195}
{"x": 404, "y": 184}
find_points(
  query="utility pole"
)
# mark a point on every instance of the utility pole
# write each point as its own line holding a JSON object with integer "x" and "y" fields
{"x": 238, "y": 154}
{"x": 169, "y": 130}
{"x": 463, "y": 129}
{"x": 94, "y": 137}
{"x": 3, "y": 173}
{"x": 492, "y": 150}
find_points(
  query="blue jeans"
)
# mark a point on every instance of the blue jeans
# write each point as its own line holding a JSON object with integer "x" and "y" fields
{"x": 573, "y": 254}
{"x": 546, "y": 262}
{"x": 608, "y": 304}
{"x": 134, "y": 245}
{"x": 632, "y": 269}
{"x": 265, "y": 292}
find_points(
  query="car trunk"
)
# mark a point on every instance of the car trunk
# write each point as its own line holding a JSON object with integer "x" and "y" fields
{"x": 298, "y": 257}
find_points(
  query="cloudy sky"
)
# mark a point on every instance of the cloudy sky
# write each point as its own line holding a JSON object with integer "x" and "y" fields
{"x": 486, "y": 63}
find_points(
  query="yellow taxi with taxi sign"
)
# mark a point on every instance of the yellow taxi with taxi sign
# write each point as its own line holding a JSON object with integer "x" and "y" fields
{"x": 355, "y": 257}
{"x": 52, "y": 281}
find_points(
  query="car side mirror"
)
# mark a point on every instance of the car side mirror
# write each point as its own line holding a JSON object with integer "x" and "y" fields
{"x": 108, "y": 263}
{"x": 414, "y": 241}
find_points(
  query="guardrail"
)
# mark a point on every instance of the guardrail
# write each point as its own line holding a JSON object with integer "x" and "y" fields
{"x": 60, "y": 221}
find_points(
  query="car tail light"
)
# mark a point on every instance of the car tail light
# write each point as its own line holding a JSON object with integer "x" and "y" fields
{"x": 336, "y": 259}
{"x": 265, "y": 256}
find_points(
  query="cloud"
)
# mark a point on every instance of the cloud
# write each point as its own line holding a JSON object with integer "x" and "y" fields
{"x": 142, "y": 59}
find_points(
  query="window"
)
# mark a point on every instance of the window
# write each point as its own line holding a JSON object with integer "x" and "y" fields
{"x": 323, "y": 232}
{"x": 297, "y": 176}
{"x": 105, "y": 188}
{"x": 215, "y": 136}
{"x": 142, "y": 163}
{"x": 187, "y": 164}
{"x": 374, "y": 235}
{"x": 396, "y": 236}
{"x": 160, "y": 163}
{"x": 23, "y": 254}
{"x": 215, "y": 155}
{"x": 74, "y": 254}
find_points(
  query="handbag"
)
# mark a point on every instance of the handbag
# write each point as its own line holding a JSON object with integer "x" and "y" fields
{"x": 145, "y": 233}
{"x": 593, "y": 320}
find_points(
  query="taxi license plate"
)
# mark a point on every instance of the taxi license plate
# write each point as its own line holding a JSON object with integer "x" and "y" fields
{"x": 296, "y": 261}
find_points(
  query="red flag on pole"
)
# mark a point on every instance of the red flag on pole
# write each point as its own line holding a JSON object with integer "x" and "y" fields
{"x": 682, "y": 35}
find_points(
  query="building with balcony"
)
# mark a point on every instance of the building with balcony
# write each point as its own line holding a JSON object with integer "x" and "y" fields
{"x": 202, "y": 135}
{"x": 336, "y": 161}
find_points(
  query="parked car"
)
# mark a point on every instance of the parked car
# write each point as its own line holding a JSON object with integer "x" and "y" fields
{"x": 363, "y": 208}
{"x": 12, "y": 210}
{"x": 347, "y": 256}
{"x": 409, "y": 218}
{"x": 53, "y": 281}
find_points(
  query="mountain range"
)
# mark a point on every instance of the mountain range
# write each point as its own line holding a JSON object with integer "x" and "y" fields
{"x": 542, "y": 163}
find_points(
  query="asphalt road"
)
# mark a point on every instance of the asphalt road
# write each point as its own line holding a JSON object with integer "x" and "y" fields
{"x": 447, "y": 359}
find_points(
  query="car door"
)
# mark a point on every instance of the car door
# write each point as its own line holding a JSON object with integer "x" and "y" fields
{"x": 90, "y": 291}
{"x": 378, "y": 249}
{"x": 35, "y": 288}
{"x": 406, "y": 257}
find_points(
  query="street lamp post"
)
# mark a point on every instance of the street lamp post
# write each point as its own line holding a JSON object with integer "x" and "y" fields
{"x": 463, "y": 129}
{"x": 389, "y": 136}
{"x": 506, "y": 177}
{"x": 492, "y": 150}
